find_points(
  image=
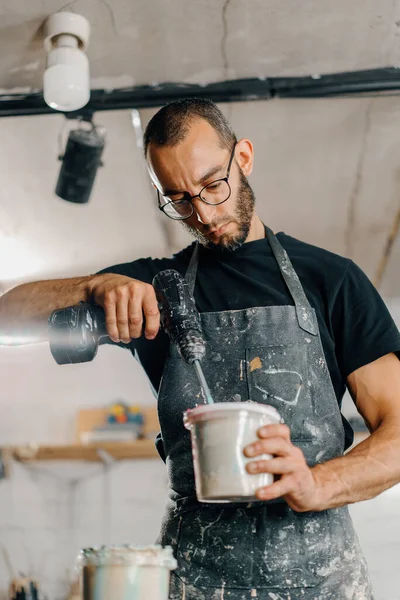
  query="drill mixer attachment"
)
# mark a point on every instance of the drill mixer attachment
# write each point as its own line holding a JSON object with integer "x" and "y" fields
{"x": 179, "y": 315}
{"x": 181, "y": 320}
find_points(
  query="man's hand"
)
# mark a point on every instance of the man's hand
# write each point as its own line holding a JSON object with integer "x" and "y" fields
{"x": 296, "y": 484}
{"x": 127, "y": 302}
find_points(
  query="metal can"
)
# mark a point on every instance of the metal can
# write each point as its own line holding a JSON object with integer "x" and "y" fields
{"x": 126, "y": 572}
{"x": 219, "y": 433}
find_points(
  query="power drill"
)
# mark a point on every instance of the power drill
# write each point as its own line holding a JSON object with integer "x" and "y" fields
{"x": 75, "y": 331}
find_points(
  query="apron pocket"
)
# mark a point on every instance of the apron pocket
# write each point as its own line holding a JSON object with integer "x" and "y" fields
{"x": 215, "y": 548}
{"x": 278, "y": 376}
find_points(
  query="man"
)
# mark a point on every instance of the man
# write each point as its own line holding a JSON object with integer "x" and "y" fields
{"x": 325, "y": 327}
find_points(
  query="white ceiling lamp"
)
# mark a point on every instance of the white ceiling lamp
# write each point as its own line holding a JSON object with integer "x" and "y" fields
{"x": 66, "y": 82}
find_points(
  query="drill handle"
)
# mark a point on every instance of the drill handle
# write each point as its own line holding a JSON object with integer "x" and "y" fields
{"x": 75, "y": 331}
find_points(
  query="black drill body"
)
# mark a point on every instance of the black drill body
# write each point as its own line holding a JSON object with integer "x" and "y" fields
{"x": 75, "y": 331}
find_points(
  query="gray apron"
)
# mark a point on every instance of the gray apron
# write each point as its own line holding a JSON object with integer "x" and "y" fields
{"x": 262, "y": 549}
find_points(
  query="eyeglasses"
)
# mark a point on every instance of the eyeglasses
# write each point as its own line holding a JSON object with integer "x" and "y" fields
{"x": 180, "y": 206}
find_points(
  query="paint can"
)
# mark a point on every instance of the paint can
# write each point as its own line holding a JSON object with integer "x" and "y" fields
{"x": 126, "y": 572}
{"x": 219, "y": 433}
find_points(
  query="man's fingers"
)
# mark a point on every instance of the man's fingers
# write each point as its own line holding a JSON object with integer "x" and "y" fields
{"x": 151, "y": 313}
{"x": 276, "y": 430}
{"x": 135, "y": 316}
{"x": 279, "y": 488}
{"x": 111, "y": 319}
{"x": 122, "y": 316}
{"x": 276, "y": 466}
{"x": 127, "y": 303}
{"x": 277, "y": 446}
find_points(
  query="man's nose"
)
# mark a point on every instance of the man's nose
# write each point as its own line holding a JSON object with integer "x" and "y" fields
{"x": 204, "y": 212}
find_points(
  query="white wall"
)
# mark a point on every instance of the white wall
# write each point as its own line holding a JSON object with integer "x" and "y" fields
{"x": 49, "y": 511}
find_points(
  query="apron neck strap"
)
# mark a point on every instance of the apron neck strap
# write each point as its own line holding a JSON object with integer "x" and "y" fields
{"x": 191, "y": 271}
{"x": 304, "y": 311}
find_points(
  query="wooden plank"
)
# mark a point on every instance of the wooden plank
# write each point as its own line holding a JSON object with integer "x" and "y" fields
{"x": 151, "y": 423}
{"x": 117, "y": 450}
{"x": 144, "y": 448}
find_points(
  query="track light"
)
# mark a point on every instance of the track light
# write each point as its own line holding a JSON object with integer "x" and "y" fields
{"x": 66, "y": 82}
{"x": 80, "y": 162}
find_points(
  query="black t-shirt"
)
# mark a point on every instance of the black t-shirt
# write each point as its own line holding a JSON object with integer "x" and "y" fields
{"x": 356, "y": 327}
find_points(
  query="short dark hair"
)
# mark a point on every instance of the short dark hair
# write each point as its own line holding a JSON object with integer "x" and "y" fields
{"x": 170, "y": 124}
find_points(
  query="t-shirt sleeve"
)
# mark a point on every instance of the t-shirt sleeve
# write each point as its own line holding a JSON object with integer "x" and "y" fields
{"x": 363, "y": 327}
{"x": 143, "y": 269}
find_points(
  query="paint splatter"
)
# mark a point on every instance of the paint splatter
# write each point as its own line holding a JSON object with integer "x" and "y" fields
{"x": 255, "y": 364}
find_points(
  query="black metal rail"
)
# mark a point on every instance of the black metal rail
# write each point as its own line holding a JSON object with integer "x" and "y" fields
{"x": 376, "y": 81}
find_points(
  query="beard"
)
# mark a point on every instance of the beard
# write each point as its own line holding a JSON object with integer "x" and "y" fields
{"x": 242, "y": 215}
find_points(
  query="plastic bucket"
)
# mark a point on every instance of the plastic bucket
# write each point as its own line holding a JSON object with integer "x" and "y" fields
{"x": 219, "y": 433}
{"x": 126, "y": 572}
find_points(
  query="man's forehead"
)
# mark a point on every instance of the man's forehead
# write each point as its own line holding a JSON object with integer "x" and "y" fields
{"x": 190, "y": 157}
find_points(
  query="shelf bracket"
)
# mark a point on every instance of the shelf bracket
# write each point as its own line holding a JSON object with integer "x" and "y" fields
{"x": 5, "y": 459}
{"x": 105, "y": 456}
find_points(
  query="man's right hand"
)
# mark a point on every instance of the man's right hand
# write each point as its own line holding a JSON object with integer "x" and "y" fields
{"x": 127, "y": 302}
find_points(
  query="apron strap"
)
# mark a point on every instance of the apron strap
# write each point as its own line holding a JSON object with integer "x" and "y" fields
{"x": 305, "y": 315}
{"x": 304, "y": 312}
{"x": 191, "y": 271}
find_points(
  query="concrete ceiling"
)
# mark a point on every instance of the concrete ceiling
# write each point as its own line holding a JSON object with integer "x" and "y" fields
{"x": 327, "y": 170}
{"x": 145, "y": 41}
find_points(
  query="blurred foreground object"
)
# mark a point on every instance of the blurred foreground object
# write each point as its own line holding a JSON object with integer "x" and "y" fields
{"x": 24, "y": 588}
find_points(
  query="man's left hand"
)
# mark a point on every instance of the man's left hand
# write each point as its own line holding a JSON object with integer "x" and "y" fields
{"x": 296, "y": 484}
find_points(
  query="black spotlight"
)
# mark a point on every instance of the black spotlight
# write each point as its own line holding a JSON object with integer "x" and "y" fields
{"x": 79, "y": 164}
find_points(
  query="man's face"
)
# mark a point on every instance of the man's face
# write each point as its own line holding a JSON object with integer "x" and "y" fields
{"x": 192, "y": 164}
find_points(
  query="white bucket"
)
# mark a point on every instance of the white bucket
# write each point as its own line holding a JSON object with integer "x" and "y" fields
{"x": 219, "y": 434}
{"x": 126, "y": 572}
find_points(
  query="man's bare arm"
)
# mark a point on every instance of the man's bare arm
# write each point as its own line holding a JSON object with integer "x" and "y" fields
{"x": 374, "y": 464}
{"x": 128, "y": 303}
{"x": 367, "y": 470}
{"x": 25, "y": 309}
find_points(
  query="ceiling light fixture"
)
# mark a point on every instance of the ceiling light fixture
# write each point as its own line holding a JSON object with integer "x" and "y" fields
{"x": 81, "y": 159}
{"x": 66, "y": 82}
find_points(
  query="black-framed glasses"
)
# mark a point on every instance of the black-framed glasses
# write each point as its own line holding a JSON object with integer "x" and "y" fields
{"x": 180, "y": 206}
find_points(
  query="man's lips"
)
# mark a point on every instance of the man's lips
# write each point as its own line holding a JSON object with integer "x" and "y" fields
{"x": 219, "y": 230}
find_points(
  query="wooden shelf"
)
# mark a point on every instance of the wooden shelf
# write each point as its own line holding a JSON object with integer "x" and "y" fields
{"x": 101, "y": 452}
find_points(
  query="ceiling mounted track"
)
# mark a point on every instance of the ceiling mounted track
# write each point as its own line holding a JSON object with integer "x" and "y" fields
{"x": 375, "y": 81}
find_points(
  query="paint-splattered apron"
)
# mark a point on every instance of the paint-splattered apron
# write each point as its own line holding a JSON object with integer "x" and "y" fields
{"x": 270, "y": 355}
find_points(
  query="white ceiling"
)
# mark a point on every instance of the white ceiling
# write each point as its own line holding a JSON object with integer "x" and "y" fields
{"x": 327, "y": 170}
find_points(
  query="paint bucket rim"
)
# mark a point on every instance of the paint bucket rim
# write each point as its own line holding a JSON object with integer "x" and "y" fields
{"x": 208, "y": 412}
{"x": 126, "y": 554}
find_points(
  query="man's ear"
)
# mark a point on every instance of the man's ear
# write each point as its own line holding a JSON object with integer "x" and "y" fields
{"x": 244, "y": 154}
